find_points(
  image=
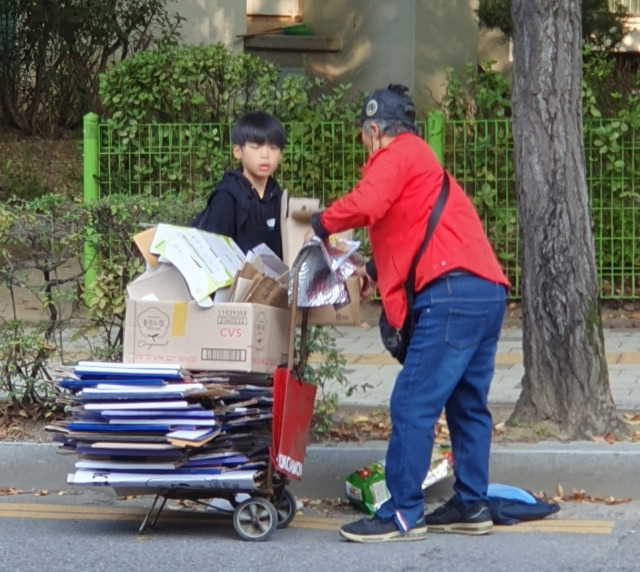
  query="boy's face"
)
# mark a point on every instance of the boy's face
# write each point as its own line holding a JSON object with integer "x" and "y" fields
{"x": 259, "y": 161}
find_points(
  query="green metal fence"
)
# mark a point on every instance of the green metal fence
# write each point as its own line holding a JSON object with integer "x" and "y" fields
{"x": 480, "y": 156}
{"x": 324, "y": 159}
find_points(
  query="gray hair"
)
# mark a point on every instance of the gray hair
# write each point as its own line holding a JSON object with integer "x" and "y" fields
{"x": 389, "y": 127}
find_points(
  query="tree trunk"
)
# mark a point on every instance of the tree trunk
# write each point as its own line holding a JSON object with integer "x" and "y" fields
{"x": 566, "y": 381}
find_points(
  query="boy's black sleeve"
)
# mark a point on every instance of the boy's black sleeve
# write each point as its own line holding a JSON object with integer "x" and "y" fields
{"x": 220, "y": 216}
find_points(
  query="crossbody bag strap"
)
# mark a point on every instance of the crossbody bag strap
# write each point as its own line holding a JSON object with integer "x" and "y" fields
{"x": 431, "y": 226}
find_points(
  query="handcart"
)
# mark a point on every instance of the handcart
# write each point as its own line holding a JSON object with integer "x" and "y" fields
{"x": 270, "y": 505}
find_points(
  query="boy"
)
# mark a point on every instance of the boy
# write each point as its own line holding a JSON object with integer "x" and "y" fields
{"x": 245, "y": 204}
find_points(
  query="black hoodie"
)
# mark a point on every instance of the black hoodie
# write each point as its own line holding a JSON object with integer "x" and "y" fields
{"x": 235, "y": 209}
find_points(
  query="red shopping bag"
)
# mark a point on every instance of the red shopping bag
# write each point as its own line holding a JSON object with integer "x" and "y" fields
{"x": 293, "y": 401}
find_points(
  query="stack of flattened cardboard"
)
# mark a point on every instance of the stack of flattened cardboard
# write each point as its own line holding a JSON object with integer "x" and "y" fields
{"x": 156, "y": 426}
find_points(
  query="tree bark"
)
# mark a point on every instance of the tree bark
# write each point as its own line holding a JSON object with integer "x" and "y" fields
{"x": 566, "y": 381}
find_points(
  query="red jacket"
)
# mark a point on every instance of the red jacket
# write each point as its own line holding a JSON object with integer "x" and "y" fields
{"x": 399, "y": 187}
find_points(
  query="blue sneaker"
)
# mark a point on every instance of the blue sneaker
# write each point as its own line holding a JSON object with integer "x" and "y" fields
{"x": 375, "y": 530}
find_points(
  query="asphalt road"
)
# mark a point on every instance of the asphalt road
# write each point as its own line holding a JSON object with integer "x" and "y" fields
{"x": 92, "y": 532}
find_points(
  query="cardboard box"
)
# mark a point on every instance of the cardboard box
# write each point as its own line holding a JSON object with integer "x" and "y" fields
{"x": 163, "y": 324}
{"x": 295, "y": 222}
{"x": 348, "y": 315}
{"x": 208, "y": 262}
{"x": 143, "y": 241}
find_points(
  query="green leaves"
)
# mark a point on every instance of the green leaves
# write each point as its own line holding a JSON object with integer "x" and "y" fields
{"x": 325, "y": 375}
{"x": 485, "y": 95}
{"x": 170, "y": 112}
{"x": 604, "y": 23}
{"x": 61, "y": 53}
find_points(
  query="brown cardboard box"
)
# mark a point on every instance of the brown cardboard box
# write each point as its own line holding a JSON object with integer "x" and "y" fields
{"x": 267, "y": 291}
{"x": 295, "y": 222}
{"x": 207, "y": 262}
{"x": 163, "y": 324}
{"x": 348, "y": 315}
{"x": 293, "y": 225}
{"x": 143, "y": 241}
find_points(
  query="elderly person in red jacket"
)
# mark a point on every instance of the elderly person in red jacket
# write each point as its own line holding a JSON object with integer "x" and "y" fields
{"x": 459, "y": 308}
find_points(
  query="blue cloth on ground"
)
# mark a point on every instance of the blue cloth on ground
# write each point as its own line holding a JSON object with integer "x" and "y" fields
{"x": 510, "y": 492}
{"x": 511, "y": 505}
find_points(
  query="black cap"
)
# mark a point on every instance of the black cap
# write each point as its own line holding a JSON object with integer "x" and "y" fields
{"x": 392, "y": 104}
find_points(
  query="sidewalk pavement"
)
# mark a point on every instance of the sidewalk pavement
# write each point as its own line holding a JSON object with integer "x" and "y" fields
{"x": 368, "y": 362}
{"x": 600, "y": 469}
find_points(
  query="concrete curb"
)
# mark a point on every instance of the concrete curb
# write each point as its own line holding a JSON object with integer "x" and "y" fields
{"x": 599, "y": 469}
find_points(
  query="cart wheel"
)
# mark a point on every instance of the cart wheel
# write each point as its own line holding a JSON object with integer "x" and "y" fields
{"x": 255, "y": 519}
{"x": 285, "y": 505}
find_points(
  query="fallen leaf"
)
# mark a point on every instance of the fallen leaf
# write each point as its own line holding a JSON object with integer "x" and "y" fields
{"x": 578, "y": 495}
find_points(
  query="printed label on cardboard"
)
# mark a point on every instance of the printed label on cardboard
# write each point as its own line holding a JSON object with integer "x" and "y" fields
{"x": 232, "y": 317}
{"x": 223, "y": 354}
{"x": 153, "y": 325}
{"x": 260, "y": 332}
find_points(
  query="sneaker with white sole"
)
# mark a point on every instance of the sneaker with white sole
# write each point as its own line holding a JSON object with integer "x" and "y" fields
{"x": 376, "y": 530}
{"x": 453, "y": 517}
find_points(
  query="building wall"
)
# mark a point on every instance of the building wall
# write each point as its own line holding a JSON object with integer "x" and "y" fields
{"x": 378, "y": 39}
{"x": 411, "y": 42}
{"x": 492, "y": 45}
{"x": 213, "y": 21}
{"x": 446, "y": 34}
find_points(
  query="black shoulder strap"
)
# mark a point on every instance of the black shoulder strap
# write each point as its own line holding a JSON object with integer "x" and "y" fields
{"x": 431, "y": 226}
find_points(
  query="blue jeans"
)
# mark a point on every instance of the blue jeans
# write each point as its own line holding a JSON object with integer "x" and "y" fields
{"x": 450, "y": 365}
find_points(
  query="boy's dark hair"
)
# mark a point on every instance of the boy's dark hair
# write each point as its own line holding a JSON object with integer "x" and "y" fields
{"x": 258, "y": 127}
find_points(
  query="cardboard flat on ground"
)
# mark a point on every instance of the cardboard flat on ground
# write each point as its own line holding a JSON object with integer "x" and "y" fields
{"x": 164, "y": 325}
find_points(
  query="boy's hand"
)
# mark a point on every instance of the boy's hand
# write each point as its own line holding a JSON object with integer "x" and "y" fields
{"x": 368, "y": 286}
{"x": 309, "y": 235}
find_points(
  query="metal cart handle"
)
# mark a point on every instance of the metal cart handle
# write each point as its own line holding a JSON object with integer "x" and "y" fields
{"x": 302, "y": 362}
